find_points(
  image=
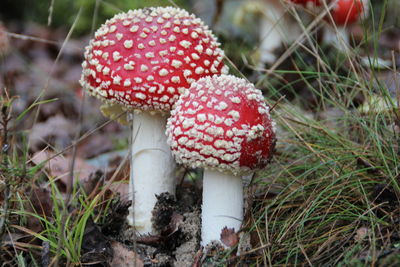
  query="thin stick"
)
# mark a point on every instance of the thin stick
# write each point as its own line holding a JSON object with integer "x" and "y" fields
{"x": 51, "y": 9}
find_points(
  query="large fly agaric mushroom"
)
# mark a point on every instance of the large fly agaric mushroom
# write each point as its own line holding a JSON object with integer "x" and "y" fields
{"x": 223, "y": 125}
{"x": 344, "y": 13}
{"x": 143, "y": 60}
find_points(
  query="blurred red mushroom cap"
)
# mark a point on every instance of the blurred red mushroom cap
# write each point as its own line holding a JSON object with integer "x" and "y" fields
{"x": 348, "y": 11}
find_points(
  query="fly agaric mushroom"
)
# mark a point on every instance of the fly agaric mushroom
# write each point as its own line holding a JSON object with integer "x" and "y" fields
{"x": 344, "y": 13}
{"x": 223, "y": 125}
{"x": 277, "y": 26}
{"x": 143, "y": 60}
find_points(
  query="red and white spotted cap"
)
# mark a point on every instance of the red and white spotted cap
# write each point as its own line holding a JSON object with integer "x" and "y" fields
{"x": 349, "y": 11}
{"x": 222, "y": 123}
{"x": 144, "y": 59}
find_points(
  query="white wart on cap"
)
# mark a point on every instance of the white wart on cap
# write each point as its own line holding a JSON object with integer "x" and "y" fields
{"x": 144, "y": 59}
{"x": 222, "y": 123}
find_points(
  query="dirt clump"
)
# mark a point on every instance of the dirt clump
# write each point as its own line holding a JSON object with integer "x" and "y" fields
{"x": 177, "y": 223}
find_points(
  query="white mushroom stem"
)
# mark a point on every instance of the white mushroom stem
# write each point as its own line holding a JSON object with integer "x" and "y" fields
{"x": 222, "y": 204}
{"x": 152, "y": 168}
{"x": 338, "y": 37}
{"x": 276, "y": 28}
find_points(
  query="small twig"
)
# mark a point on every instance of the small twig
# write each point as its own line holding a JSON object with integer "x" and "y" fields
{"x": 39, "y": 40}
{"x": 51, "y": 9}
{"x": 277, "y": 102}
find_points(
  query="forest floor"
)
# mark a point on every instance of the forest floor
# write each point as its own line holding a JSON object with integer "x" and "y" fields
{"x": 330, "y": 196}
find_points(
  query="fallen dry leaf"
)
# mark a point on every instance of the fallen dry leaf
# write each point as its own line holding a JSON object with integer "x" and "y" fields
{"x": 40, "y": 203}
{"x": 39, "y": 200}
{"x": 124, "y": 257}
{"x": 95, "y": 145}
{"x": 57, "y": 130}
{"x": 228, "y": 237}
{"x": 64, "y": 103}
{"x": 59, "y": 167}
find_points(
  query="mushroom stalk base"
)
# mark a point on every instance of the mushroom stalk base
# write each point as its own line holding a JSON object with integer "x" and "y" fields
{"x": 222, "y": 204}
{"x": 152, "y": 169}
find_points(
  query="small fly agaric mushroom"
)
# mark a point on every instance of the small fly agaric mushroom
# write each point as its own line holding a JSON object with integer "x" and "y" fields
{"x": 143, "y": 60}
{"x": 223, "y": 125}
{"x": 277, "y": 26}
{"x": 344, "y": 13}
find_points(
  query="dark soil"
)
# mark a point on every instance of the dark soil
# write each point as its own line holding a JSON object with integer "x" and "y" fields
{"x": 177, "y": 223}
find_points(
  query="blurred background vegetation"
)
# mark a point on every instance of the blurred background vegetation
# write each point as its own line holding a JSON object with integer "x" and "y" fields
{"x": 64, "y": 11}
{"x": 222, "y": 16}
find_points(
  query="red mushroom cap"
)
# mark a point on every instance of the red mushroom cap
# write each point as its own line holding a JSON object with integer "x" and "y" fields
{"x": 144, "y": 59}
{"x": 348, "y": 11}
{"x": 221, "y": 123}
